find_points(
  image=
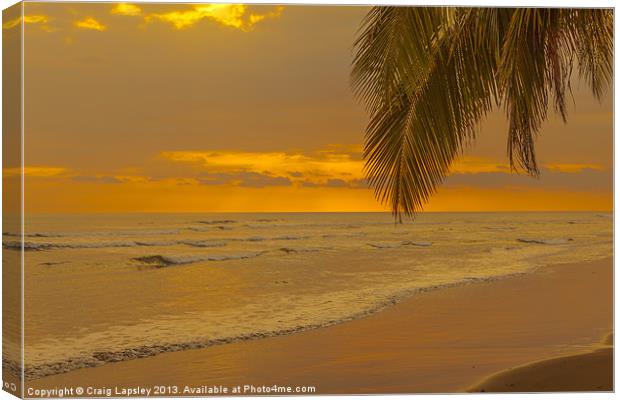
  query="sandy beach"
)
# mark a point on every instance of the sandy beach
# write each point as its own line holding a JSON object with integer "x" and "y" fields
{"x": 444, "y": 340}
{"x": 588, "y": 371}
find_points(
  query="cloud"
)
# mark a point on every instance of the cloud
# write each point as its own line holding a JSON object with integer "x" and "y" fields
{"x": 317, "y": 167}
{"x": 239, "y": 16}
{"x": 309, "y": 184}
{"x": 233, "y": 15}
{"x": 583, "y": 180}
{"x": 573, "y": 167}
{"x": 481, "y": 164}
{"x": 41, "y": 172}
{"x": 28, "y": 19}
{"x": 244, "y": 179}
{"x": 97, "y": 179}
{"x": 90, "y": 23}
{"x": 337, "y": 183}
{"x": 478, "y": 164}
{"x": 127, "y": 9}
{"x": 77, "y": 176}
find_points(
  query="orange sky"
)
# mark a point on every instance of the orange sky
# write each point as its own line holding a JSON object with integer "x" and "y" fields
{"x": 150, "y": 107}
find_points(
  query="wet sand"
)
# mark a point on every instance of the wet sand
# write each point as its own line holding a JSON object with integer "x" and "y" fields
{"x": 439, "y": 341}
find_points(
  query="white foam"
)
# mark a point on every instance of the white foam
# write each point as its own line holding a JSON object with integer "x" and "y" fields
{"x": 545, "y": 241}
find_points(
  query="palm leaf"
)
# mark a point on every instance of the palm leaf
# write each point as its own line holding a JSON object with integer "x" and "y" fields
{"x": 428, "y": 75}
{"x": 415, "y": 134}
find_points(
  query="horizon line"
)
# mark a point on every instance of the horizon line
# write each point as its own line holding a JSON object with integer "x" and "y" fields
{"x": 320, "y": 212}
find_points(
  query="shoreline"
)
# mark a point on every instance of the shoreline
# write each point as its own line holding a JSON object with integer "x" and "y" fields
{"x": 103, "y": 358}
{"x": 352, "y": 336}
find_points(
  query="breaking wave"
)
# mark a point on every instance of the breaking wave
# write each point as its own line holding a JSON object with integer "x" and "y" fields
{"x": 202, "y": 243}
{"x": 41, "y": 246}
{"x": 161, "y": 261}
{"x": 395, "y": 245}
{"x": 293, "y": 250}
{"x": 545, "y": 241}
{"x": 265, "y": 238}
{"x": 218, "y": 222}
{"x": 135, "y": 232}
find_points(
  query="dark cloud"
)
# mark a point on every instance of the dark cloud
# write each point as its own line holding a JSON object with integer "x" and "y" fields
{"x": 335, "y": 183}
{"x": 584, "y": 180}
{"x": 244, "y": 179}
{"x": 97, "y": 179}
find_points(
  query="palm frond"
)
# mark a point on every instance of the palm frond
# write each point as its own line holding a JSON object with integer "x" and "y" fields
{"x": 522, "y": 73}
{"x": 414, "y": 136}
{"x": 388, "y": 52}
{"x": 428, "y": 75}
{"x": 593, "y": 32}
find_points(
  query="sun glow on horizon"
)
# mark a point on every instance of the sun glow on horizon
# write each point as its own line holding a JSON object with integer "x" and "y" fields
{"x": 329, "y": 179}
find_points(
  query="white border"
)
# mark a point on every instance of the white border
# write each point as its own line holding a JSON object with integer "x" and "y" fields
{"x": 488, "y": 3}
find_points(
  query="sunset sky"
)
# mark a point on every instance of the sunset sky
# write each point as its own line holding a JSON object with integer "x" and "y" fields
{"x": 150, "y": 107}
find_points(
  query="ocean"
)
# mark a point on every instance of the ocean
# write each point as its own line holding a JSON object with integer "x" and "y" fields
{"x": 102, "y": 288}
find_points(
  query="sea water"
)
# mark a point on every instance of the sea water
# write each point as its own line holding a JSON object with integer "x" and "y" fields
{"x": 101, "y": 288}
